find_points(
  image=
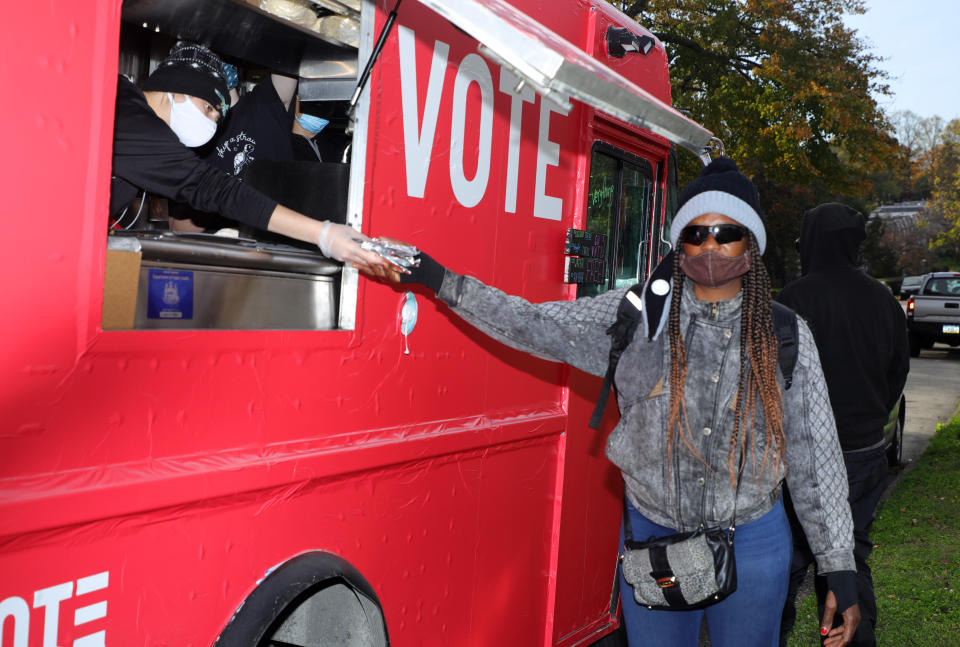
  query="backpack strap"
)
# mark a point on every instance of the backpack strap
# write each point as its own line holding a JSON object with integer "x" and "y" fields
{"x": 621, "y": 332}
{"x": 649, "y": 303}
{"x": 788, "y": 341}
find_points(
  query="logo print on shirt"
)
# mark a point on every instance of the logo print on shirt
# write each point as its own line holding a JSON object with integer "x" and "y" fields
{"x": 240, "y": 147}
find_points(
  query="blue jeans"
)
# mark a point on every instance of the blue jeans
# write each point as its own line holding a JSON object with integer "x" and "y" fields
{"x": 749, "y": 617}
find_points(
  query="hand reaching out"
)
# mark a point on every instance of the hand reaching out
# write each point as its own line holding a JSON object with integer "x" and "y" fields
{"x": 390, "y": 271}
{"x": 342, "y": 243}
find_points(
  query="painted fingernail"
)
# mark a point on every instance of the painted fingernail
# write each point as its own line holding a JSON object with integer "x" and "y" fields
{"x": 823, "y": 631}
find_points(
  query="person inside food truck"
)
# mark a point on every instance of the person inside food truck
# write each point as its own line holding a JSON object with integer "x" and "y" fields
{"x": 266, "y": 123}
{"x": 306, "y": 130}
{"x": 256, "y": 127}
{"x": 178, "y": 110}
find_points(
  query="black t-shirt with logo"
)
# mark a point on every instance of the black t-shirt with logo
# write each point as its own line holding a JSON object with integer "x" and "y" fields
{"x": 258, "y": 127}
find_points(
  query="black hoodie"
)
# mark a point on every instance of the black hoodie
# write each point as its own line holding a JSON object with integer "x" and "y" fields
{"x": 859, "y": 328}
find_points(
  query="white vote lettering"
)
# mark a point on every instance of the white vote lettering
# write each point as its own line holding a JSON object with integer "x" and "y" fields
{"x": 417, "y": 141}
{"x": 510, "y": 84}
{"x": 473, "y": 69}
{"x": 51, "y": 601}
{"x": 419, "y": 129}
{"x": 548, "y": 154}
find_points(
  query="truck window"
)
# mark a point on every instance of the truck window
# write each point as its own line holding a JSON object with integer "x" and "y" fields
{"x": 619, "y": 204}
{"x": 222, "y": 274}
{"x": 943, "y": 287}
{"x": 672, "y": 199}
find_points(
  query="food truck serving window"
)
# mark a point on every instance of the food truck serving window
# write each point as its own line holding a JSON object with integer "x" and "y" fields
{"x": 171, "y": 266}
{"x": 559, "y": 70}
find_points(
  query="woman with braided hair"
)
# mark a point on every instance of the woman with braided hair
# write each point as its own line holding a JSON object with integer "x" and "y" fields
{"x": 709, "y": 429}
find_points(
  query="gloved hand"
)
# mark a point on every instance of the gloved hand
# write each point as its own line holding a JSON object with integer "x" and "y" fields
{"x": 426, "y": 272}
{"x": 842, "y": 597}
{"x": 429, "y": 273}
{"x": 342, "y": 243}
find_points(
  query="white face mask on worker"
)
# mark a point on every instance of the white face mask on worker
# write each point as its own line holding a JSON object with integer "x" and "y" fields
{"x": 189, "y": 123}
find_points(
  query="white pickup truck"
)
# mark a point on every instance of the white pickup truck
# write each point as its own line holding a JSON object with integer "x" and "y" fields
{"x": 933, "y": 314}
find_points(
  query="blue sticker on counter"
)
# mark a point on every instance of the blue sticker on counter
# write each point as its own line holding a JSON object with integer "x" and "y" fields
{"x": 170, "y": 294}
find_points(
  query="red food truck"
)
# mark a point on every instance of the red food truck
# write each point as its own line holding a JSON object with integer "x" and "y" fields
{"x": 233, "y": 440}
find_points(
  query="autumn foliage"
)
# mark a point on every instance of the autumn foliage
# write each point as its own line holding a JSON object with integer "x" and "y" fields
{"x": 791, "y": 93}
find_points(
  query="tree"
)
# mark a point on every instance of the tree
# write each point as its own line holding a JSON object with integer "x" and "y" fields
{"x": 789, "y": 90}
{"x": 918, "y": 135}
{"x": 921, "y": 139}
{"x": 878, "y": 257}
{"x": 943, "y": 208}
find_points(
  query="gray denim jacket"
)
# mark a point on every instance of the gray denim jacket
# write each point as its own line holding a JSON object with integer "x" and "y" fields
{"x": 574, "y": 332}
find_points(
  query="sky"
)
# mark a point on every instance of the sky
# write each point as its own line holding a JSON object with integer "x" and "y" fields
{"x": 920, "y": 42}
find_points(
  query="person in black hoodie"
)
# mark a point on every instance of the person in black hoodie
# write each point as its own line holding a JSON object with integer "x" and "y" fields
{"x": 861, "y": 334}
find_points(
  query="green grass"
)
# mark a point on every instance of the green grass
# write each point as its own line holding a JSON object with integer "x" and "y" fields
{"x": 916, "y": 556}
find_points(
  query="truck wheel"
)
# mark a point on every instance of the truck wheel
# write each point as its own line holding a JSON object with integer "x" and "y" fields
{"x": 915, "y": 344}
{"x": 312, "y": 599}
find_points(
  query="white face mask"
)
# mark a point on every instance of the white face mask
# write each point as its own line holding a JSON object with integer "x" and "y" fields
{"x": 189, "y": 123}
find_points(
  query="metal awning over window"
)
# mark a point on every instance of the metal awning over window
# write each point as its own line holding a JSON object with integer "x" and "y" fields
{"x": 559, "y": 70}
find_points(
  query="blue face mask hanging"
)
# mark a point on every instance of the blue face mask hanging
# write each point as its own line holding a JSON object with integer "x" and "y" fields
{"x": 312, "y": 124}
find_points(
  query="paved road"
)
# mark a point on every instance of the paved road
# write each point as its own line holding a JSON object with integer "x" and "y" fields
{"x": 933, "y": 389}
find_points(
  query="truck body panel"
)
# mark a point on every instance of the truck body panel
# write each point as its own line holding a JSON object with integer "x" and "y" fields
{"x": 152, "y": 475}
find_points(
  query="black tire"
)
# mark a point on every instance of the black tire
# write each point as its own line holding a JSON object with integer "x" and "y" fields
{"x": 916, "y": 343}
{"x": 292, "y": 584}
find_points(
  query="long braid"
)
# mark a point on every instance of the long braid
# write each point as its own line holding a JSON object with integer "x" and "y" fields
{"x": 678, "y": 370}
{"x": 758, "y": 371}
{"x": 738, "y": 439}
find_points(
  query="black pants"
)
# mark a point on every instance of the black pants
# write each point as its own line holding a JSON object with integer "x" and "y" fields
{"x": 867, "y": 474}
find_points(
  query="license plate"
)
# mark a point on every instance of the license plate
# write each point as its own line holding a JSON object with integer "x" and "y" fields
{"x": 948, "y": 328}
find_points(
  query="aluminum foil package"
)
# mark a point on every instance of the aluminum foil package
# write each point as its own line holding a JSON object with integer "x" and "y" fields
{"x": 400, "y": 254}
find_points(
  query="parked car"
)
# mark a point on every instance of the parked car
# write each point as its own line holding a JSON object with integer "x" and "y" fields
{"x": 933, "y": 314}
{"x": 909, "y": 286}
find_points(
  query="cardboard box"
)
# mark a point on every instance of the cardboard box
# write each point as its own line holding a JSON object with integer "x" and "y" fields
{"x": 120, "y": 289}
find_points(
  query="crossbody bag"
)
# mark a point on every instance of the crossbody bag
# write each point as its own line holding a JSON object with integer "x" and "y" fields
{"x": 682, "y": 571}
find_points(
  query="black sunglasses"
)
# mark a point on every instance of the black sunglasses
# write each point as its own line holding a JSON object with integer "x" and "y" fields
{"x": 723, "y": 234}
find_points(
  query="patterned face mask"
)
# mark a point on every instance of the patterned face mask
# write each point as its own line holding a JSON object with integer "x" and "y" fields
{"x": 714, "y": 270}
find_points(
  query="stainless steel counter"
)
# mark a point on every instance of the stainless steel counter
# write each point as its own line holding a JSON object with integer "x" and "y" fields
{"x": 198, "y": 281}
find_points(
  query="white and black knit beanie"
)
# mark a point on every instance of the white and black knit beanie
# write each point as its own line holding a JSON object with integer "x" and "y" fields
{"x": 192, "y": 69}
{"x": 721, "y": 188}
